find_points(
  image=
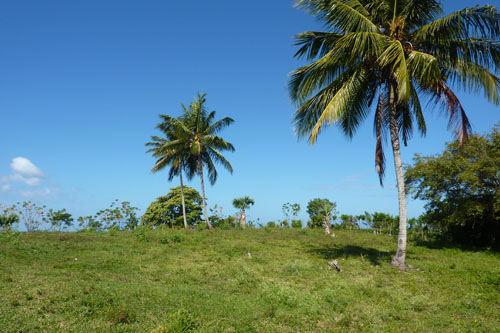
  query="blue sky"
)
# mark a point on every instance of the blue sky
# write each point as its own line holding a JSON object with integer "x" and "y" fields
{"x": 82, "y": 84}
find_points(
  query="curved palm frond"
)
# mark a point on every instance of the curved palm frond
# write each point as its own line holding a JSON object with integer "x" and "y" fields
{"x": 418, "y": 12}
{"x": 344, "y": 16}
{"x": 465, "y": 23}
{"x": 475, "y": 77}
{"x": 314, "y": 43}
{"x": 218, "y": 125}
{"x": 394, "y": 57}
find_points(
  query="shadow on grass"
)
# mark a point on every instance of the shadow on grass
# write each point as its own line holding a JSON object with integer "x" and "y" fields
{"x": 376, "y": 257}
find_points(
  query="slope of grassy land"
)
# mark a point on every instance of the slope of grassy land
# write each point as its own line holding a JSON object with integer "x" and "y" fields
{"x": 173, "y": 280}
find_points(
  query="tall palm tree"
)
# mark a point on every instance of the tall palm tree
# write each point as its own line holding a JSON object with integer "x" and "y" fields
{"x": 243, "y": 204}
{"x": 390, "y": 54}
{"x": 170, "y": 150}
{"x": 200, "y": 132}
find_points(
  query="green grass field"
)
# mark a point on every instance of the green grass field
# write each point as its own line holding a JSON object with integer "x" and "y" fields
{"x": 169, "y": 281}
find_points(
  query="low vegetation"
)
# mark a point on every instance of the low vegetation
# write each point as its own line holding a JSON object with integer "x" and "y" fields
{"x": 252, "y": 280}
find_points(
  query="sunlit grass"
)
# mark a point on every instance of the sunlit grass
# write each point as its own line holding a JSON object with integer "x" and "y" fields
{"x": 138, "y": 282}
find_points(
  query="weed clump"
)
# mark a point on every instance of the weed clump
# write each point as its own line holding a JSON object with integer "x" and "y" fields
{"x": 180, "y": 321}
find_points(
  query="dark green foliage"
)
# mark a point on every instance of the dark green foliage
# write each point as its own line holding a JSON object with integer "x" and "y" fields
{"x": 296, "y": 224}
{"x": 349, "y": 221}
{"x": 319, "y": 209}
{"x": 461, "y": 189}
{"x": 89, "y": 223}
{"x": 59, "y": 219}
{"x": 383, "y": 222}
{"x": 167, "y": 210}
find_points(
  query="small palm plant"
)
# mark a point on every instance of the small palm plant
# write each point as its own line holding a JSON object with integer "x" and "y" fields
{"x": 7, "y": 220}
{"x": 243, "y": 204}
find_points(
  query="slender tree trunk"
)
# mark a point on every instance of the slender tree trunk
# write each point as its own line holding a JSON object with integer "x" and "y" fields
{"x": 327, "y": 224}
{"x": 399, "y": 257}
{"x": 203, "y": 199}
{"x": 243, "y": 220}
{"x": 183, "y": 201}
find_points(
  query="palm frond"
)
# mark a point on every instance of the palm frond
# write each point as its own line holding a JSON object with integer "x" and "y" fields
{"x": 418, "y": 12}
{"x": 457, "y": 118}
{"x": 344, "y": 16}
{"x": 394, "y": 58}
{"x": 219, "y": 125}
{"x": 424, "y": 68}
{"x": 314, "y": 43}
{"x": 474, "y": 77}
{"x": 469, "y": 22}
{"x": 379, "y": 130}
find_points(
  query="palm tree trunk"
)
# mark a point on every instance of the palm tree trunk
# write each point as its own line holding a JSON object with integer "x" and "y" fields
{"x": 399, "y": 257}
{"x": 203, "y": 199}
{"x": 243, "y": 220}
{"x": 183, "y": 201}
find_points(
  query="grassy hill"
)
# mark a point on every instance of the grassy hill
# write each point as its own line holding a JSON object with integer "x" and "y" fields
{"x": 174, "y": 280}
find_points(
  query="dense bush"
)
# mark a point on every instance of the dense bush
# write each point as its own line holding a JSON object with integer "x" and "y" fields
{"x": 296, "y": 224}
{"x": 461, "y": 188}
{"x": 167, "y": 210}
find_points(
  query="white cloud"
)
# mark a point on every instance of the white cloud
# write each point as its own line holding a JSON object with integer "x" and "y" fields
{"x": 23, "y": 166}
{"x": 6, "y": 187}
{"x": 24, "y": 171}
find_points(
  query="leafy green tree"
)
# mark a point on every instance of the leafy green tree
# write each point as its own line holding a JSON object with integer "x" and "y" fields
{"x": 320, "y": 213}
{"x": 243, "y": 204}
{"x": 383, "y": 222}
{"x": 290, "y": 209}
{"x": 59, "y": 219}
{"x": 118, "y": 216}
{"x": 349, "y": 221}
{"x": 297, "y": 224}
{"x": 30, "y": 213}
{"x": 197, "y": 130}
{"x": 89, "y": 223}
{"x": 390, "y": 53}
{"x": 168, "y": 209}
{"x": 461, "y": 188}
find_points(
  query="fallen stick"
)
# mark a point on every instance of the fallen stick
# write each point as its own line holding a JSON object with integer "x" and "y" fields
{"x": 334, "y": 264}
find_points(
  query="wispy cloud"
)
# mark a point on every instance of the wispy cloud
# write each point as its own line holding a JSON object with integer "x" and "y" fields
{"x": 39, "y": 193}
{"x": 352, "y": 178}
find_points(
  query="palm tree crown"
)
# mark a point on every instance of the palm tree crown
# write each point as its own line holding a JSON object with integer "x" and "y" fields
{"x": 205, "y": 147}
{"x": 243, "y": 203}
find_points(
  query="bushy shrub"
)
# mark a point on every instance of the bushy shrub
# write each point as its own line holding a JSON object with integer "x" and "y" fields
{"x": 271, "y": 224}
{"x": 296, "y": 224}
{"x": 141, "y": 233}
